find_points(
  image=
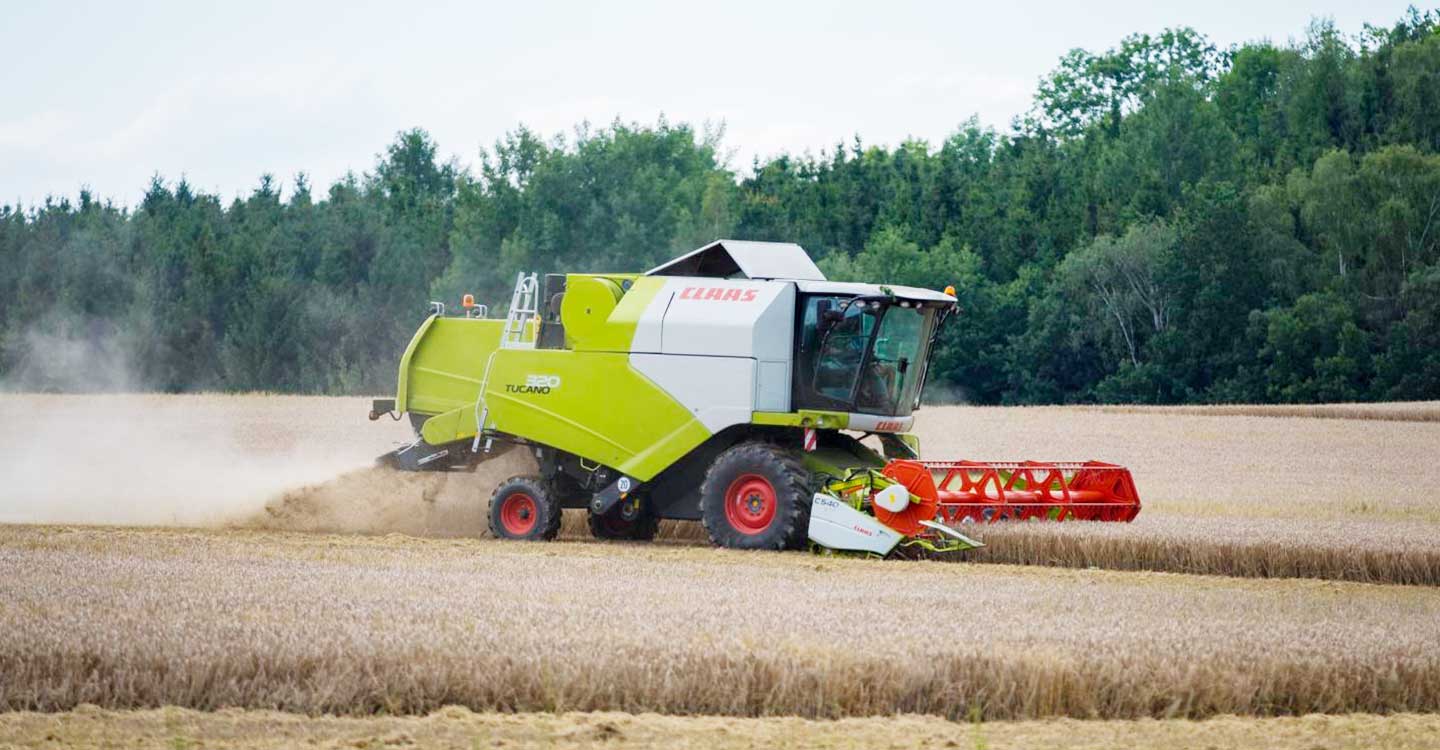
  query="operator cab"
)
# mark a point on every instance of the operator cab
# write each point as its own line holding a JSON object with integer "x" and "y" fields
{"x": 864, "y": 350}
{"x": 858, "y": 348}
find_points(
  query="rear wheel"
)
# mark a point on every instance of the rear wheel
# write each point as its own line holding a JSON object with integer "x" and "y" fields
{"x": 630, "y": 519}
{"x": 756, "y": 496}
{"x": 524, "y": 508}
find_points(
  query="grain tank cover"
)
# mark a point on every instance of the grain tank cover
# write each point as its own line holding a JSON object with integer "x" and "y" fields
{"x": 738, "y": 259}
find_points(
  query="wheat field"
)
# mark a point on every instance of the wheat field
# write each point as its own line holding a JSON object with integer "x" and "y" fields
{"x": 248, "y": 616}
{"x": 357, "y": 625}
{"x": 1208, "y": 462}
{"x": 1234, "y": 494}
{"x": 1245, "y": 491}
{"x": 1393, "y": 411}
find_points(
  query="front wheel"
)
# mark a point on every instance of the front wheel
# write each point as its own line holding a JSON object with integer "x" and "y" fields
{"x": 756, "y": 496}
{"x": 524, "y": 508}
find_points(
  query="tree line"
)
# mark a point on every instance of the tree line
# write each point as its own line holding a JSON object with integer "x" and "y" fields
{"x": 1169, "y": 222}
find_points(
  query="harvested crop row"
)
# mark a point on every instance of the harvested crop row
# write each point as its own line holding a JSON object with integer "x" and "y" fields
{"x": 455, "y": 727}
{"x": 439, "y": 505}
{"x": 1365, "y": 552}
{"x": 1369, "y": 552}
{"x": 356, "y": 625}
{"x": 1394, "y": 411}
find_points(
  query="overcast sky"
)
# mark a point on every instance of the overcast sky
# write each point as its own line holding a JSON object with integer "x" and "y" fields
{"x": 106, "y": 94}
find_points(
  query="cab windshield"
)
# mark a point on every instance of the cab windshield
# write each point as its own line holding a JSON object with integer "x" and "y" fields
{"x": 862, "y": 355}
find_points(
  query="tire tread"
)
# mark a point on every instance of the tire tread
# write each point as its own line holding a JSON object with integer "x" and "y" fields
{"x": 792, "y": 493}
{"x": 546, "y": 503}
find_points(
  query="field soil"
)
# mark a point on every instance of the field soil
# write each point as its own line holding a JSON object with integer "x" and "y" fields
{"x": 455, "y": 727}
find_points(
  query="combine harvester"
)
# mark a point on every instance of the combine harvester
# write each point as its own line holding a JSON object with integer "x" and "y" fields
{"x": 733, "y": 385}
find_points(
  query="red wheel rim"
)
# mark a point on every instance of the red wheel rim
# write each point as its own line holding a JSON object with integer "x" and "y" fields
{"x": 517, "y": 513}
{"x": 750, "y": 504}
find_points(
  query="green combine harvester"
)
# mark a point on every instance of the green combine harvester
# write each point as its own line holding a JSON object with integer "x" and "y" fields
{"x": 734, "y": 385}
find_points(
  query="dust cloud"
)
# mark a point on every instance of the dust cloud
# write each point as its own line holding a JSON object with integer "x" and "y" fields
{"x": 377, "y": 499}
{"x": 64, "y": 352}
{"x": 276, "y": 462}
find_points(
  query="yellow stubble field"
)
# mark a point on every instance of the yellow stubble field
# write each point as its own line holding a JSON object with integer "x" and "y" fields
{"x": 247, "y": 613}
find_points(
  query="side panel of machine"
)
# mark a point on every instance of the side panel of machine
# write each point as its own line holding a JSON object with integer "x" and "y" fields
{"x": 775, "y": 352}
{"x": 722, "y": 318}
{"x": 719, "y": 391}
{"x": 444, "y": 364}
{"x": 655, "y": 294}
{"x": 592, "y": 404}
{"x": 728, "y": 318}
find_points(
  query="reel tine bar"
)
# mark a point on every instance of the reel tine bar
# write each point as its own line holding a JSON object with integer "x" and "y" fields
{"x": 984, "y": 492}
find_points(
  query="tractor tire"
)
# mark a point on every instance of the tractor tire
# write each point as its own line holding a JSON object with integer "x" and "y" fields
{"x": 640, "y": 527}
{"x": 756, "y": 496}
{"x": 523, "y": 507}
